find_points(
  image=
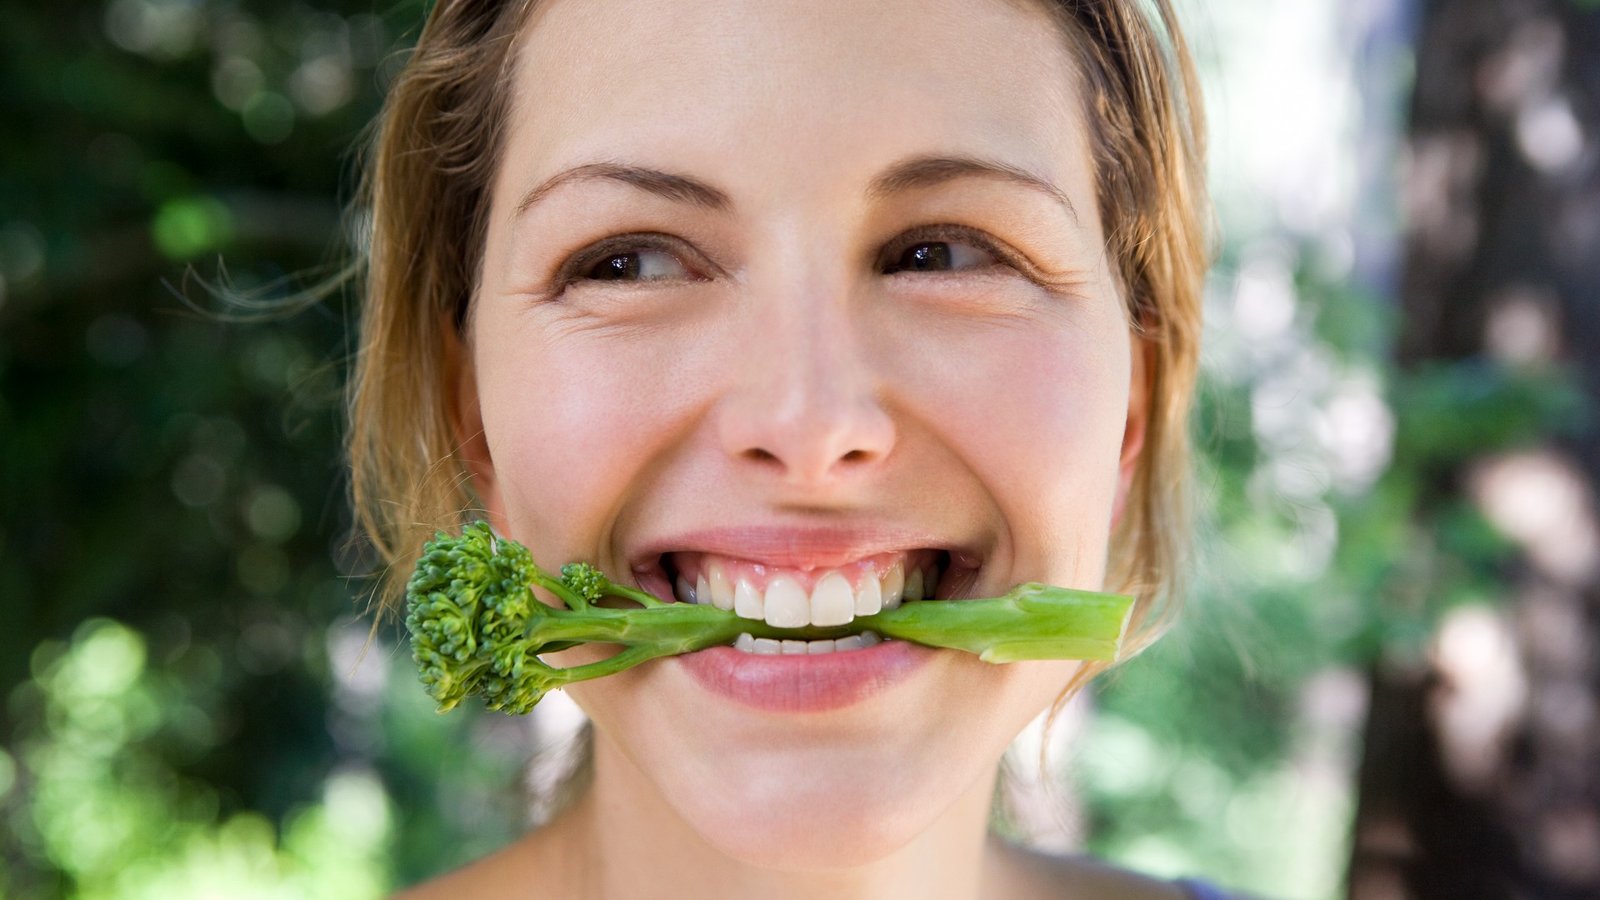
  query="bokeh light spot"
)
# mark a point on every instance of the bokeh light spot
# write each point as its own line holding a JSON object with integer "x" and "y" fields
{"x": 272, "y": 513}
{"x": 268, "y": 117}
{"x": 198, "y": 481}
{"x": 235, "y": 80}
{"x": 164, "y": 29}
{"x": 191, "y": 225}
{"x": 8, "y": 773}
{"x": 21, "y": 252}
{"x": 106, "y": 659}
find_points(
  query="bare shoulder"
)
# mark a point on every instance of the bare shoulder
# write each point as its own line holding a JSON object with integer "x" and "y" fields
{"x": 486, "y": 877}
{"x": 1035, "y": 875}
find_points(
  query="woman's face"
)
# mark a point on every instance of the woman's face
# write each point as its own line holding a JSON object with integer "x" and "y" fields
{"x": 783, "y": 291}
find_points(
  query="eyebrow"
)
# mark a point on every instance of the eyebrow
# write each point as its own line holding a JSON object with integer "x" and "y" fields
{"x": 927, "y": 171}
{"x": 678, "y": 188}
{"x": 909, "y": 174}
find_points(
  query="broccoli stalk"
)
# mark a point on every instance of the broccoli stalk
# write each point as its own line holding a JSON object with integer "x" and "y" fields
{"x": 477, "y": 628}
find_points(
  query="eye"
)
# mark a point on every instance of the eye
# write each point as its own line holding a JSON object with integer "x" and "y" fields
{"x": 945, "y": 250}
{"x": 636, "y": 265}
{"x": 635, "y": 258}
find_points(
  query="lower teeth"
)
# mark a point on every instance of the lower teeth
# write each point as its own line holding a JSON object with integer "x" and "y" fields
{"x": 771, "y": 647}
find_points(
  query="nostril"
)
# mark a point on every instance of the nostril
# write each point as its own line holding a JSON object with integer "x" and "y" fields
{"x": 766, "y": 457}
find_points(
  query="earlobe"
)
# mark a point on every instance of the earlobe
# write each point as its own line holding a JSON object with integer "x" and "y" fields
{"x": 1138, "y": 422}
{"x": 466, "y": 420}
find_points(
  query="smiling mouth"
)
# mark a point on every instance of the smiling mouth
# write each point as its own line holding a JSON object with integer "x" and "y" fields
{"x": 830, "y": 596}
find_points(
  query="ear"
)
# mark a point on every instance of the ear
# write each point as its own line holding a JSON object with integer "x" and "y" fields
{"x": 466, "y": 420}
{"x": 1138, "y": 422}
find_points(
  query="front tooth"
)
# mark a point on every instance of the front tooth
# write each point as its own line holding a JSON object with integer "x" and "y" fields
{"x": 685, "y": 592}
{"x": 869, "y": 596}
{"x": 794, "y": 648}
{"x": 787, "y": 605}
{"x": 894, "y": 585}
{"x": 853, "y": 642}
{"x": 721, "y": 588}
{"x": 767, "y": 647}
{"x": 815, "y": 647}
{"x": 747, "y": 601}
{"x": 745, "y": 642}
{"x": 702, "y": 590}
{"x": 832, "y": 601}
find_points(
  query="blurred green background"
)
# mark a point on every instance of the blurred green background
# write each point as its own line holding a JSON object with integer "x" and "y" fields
{"x": 1398, "y": 489}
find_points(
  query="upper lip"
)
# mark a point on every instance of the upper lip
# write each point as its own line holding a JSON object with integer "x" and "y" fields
{"x": 806, "y": 547}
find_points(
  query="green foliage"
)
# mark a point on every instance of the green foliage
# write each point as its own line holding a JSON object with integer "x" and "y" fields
{"x": 1223, "y": 748}
{"x": 172, "y": 525}
{"x": 113, "y": 813}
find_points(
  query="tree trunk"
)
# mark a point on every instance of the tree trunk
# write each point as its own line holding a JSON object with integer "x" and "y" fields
{"x": 1481, "y": 771}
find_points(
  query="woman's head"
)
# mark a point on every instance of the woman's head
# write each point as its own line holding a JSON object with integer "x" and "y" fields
{"x": 427, "y": 193}
{"x": 792, "y": 283}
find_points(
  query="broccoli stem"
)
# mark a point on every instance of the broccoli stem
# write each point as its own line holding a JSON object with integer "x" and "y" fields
{"x": 1032, "y": 621}
{"x": 478, "y": 628}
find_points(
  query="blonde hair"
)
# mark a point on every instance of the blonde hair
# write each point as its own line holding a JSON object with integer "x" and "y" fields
{"x": 426, "y": 192}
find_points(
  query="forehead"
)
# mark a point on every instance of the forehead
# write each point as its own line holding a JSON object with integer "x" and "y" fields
{"x": 780, "y": 91}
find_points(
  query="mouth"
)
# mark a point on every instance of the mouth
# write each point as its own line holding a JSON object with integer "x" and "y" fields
{"x": 811, "y": 596}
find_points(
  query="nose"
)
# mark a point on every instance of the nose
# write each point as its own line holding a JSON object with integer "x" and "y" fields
{"x": 806, "y": 403}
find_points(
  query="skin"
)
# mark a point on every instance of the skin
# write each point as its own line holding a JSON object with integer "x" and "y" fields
{"x": 772, "y": 373}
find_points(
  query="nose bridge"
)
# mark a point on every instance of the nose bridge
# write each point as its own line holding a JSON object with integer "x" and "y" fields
{"x": 805, "y": 402}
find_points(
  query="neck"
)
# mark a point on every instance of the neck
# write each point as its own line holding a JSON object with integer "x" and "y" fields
{"x": 622, "y": 839}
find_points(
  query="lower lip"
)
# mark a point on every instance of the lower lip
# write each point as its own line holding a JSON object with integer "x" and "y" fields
{"x": 804, "y": 684}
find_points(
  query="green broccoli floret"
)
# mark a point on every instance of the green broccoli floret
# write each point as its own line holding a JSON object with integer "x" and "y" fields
{"x": 584, "y": 580}
{"x": 477, "y": 627}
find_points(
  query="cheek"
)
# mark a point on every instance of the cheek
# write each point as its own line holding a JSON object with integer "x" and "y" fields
{"x": 568, "y": 428}
{"x": 1039, "y": 417}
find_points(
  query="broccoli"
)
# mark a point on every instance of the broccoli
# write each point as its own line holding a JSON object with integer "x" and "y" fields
{"x": 477, "y": 628}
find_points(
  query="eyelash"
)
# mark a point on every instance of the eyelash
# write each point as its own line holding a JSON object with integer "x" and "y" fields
{"x": 577, "y": 268}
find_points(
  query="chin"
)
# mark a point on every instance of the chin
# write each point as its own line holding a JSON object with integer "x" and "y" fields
{"x": 825, "y": 812}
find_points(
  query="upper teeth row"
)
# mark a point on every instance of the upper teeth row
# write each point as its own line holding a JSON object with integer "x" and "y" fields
{"x": 785, "y": 604}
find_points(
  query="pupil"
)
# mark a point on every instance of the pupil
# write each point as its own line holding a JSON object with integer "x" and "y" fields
{"x": 623, "y": 266}
{"x": 927, "y": 257}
